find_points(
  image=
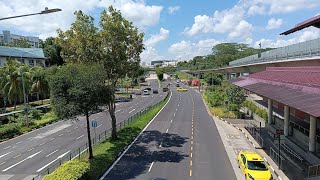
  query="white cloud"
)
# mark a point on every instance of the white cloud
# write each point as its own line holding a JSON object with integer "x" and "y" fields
{"x": 137, "y": 11}
{"x": 274, "y": 23}
{"x": 303, "y": 36}
{"x": 150, "y": 54}
{"x": 230, "y": 21}
{"x": 185, "y": 50}
{"x": 277, "y": 6}
{"x": 163, "y": 35}
{"x": 173, "y": 9}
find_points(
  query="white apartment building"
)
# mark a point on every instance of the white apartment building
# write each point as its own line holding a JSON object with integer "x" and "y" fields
{"x": 7, "y": 37}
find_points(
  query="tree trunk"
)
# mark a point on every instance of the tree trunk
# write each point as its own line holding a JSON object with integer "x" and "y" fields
{"x": 89, "y": 136}
{"x": 38, "y": 94}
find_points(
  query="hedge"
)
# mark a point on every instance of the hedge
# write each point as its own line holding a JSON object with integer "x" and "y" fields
{"x": 71, "y": 170}
{"x": 259, "y": 111}
{"x": 9, "y": 130}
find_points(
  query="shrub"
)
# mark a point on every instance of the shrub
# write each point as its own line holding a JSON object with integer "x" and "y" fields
{"x": 46, "y": 118}
{"x": 9, "y": 130}
{"x": 35, "y": 113}
{"x": 217, "y": 111}
{"x": 71, "y": 170}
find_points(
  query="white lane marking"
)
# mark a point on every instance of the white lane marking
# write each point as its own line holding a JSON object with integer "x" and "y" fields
{"x": 131, "y": 111}
{"x": 31, "y": 156}
{"x": 42, "y": 144}
{"x": 52, "y": 153}
{"x": 177, "y": 109}
{"x": 69, "y": 130}
{"x": 2, "y": 163}
{"x": 99, "y": 125}
{"x": 167, "y": 130}
{"x": 118, "y": 110}
{"x": 76, "y": 127}
{"x": 60, "y": 135}
{"x": 51, "y": 139}
{"x": 19, "y": 142}
{"x": 79, "y": 137}
{"x": 171, "y": 120}
{"x": 178, "y": 104}
{"x": 7, "y": 147}
{"x": 30, "y": 138}
{"x": 16, "y": 156}
{"x": 150, "y": 167}
{"x": 30, "y": 149}
{"x": 61, "y": 156}
{"x": 5, "y": 154}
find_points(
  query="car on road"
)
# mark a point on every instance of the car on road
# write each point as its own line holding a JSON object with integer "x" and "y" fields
{"x": 181, "y": 89}
{"x": 165, "y": 89}
{"x": 253, "y": 166}
{"x": 155, "y": 91}
{"x": 177, "y": 85}
{"x": 146, "y": 92}
{"x": 148, "y": 89}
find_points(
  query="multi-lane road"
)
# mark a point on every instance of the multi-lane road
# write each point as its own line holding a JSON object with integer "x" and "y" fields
{"x": 29, "y": 155}
{"x": 182, "y": 142}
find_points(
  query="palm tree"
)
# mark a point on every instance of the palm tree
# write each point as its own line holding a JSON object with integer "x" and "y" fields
{"x": 39, "y": 82}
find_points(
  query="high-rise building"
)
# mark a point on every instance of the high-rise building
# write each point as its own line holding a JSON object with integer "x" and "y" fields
{"x": 7, "y": 37}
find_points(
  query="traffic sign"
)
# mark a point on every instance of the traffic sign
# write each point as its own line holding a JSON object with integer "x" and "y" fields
{"x": 94, "y": 123}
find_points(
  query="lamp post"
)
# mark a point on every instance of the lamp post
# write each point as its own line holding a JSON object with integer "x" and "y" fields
{"x": 45, "y": 11}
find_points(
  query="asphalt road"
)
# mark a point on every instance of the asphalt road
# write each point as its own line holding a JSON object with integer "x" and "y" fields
{"x": 27, "y": 156}
{"x": 181, "y": 143}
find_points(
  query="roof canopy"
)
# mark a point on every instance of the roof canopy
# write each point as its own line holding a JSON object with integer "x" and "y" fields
{"x": 36, "y": 53}
{"x": 315, "y": 21}
{"x": 297, "y": 87}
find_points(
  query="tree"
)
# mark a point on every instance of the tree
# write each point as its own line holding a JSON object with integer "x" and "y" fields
{"x": 76, "y": 90}
{"x": 213, "y": 78}
{"x": 39, "y": 81}
{"x": 80, "y": 44}
{"x": 52, "y": 51}
{"x": 21, "y": 43}
{"x": 235, "y": 96}
{"x": 121, "y": 45}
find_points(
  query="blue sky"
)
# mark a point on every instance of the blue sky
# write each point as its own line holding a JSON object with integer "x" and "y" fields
{"x": 176, "y": 29}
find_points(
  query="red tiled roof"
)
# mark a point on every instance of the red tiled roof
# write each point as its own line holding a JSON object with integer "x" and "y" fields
{"x": 314, "y": 21}
{"x": 297, "y": 87}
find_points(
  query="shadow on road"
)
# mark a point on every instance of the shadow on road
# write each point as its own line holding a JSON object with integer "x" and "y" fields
{"x": 146, "y": 150}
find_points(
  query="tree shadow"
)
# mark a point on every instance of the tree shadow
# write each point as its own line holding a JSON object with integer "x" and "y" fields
{"x": 144, "y": 151}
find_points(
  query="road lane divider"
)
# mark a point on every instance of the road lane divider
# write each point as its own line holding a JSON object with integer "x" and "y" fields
{"x": 52, "y": 153}
{"x": 60, "y": 135}
{"x": 131, "y": 111}
{"x": 150, "y": 166}
{"x": 79, "y": 137}
{"x": 19, "y": 142}
{"x": 2, "y": 163}
{"x": 29, "y": 157}
{"x": 31, "y": 149}
{"x": 42, "y": 144}
{"x": 5, "y": 154}
{"x": 167, "y": 130}
{"x": 99, "y": 125}
{"x": 7, "y": 147}
{"x": 17, "y": 156}
{"x": 59, "y": 157}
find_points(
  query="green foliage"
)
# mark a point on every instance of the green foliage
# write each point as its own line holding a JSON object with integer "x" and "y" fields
{"x": 213, "y": 78}
{"x": 52, "y": 51}
{"x": 159, "y": 72}
{"x": 21, "y": 43}
{"x": 9, "y": 130}
{"x": 71, "y": 170}
{"x": 215, "y": 99}
{"x": 235, "y": 95}
{"x": 221, "y": 55}
{"x": 35, "y": 113}
{"x": 47, "y": 118}
{"x": 259, "y": 111}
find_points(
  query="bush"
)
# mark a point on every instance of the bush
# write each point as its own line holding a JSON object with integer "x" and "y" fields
{"x": 71, "y": 170}
{"x": 9, "y": 130}
{"x": 35, "y": 113}
{"x": 46, "y": 119}
{"x": 217, "y": 111}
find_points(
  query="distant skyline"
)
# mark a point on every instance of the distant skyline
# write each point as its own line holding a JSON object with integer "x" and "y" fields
{"x": 176, "y": 29}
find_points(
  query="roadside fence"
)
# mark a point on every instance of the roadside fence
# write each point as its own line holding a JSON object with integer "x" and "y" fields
{"x": 83, "y": 150}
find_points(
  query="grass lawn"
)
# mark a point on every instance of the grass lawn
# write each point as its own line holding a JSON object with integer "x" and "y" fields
{"x": 105, "y": 153}
{"x": 183, "y": 75}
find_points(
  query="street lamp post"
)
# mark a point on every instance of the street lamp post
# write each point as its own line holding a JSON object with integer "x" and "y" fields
{"x": 45, "y": 11}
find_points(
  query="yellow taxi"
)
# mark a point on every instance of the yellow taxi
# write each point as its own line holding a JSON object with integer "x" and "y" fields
{"x": 253, "y": 166}
{"x": 181, "y": 89}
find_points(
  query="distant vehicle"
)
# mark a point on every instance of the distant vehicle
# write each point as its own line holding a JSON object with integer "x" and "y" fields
{"x": 155, "y": 91}
{"x": 165, "y": 89}
{"x": 178, "y": 80}
{"x": 146, "y": 92}
{"x": 253, "y": 166}
{"x": 195, "y": 83}
{"x": 148, "y": 89}
{"x": 138, "y": 93}
{"x": 177, "y": 85}
{"x": 180, "y": 89}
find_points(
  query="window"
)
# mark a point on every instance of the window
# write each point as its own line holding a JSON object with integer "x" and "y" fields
{"x": 257, "y": 165}
{"x": 243, "y": 159}
{"x": 31, "y": 62}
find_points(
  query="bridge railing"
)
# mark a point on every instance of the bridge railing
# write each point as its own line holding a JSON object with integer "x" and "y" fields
{"x": 300, "y": 50}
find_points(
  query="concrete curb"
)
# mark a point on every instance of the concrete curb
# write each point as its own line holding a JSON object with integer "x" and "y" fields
{"x": 275, "y": 172}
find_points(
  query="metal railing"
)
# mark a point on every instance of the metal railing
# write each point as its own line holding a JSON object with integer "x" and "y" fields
{"x": 300, "y": 50}
{"x": 275, "y": 156}
{"x": 259, "y": 140}
{"x": 314, "y": 170}
{"x": 83, "y": 150}
{"x": 291, "y": 153}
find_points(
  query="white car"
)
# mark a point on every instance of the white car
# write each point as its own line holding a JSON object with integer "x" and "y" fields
{"x": 146, "y": 92}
